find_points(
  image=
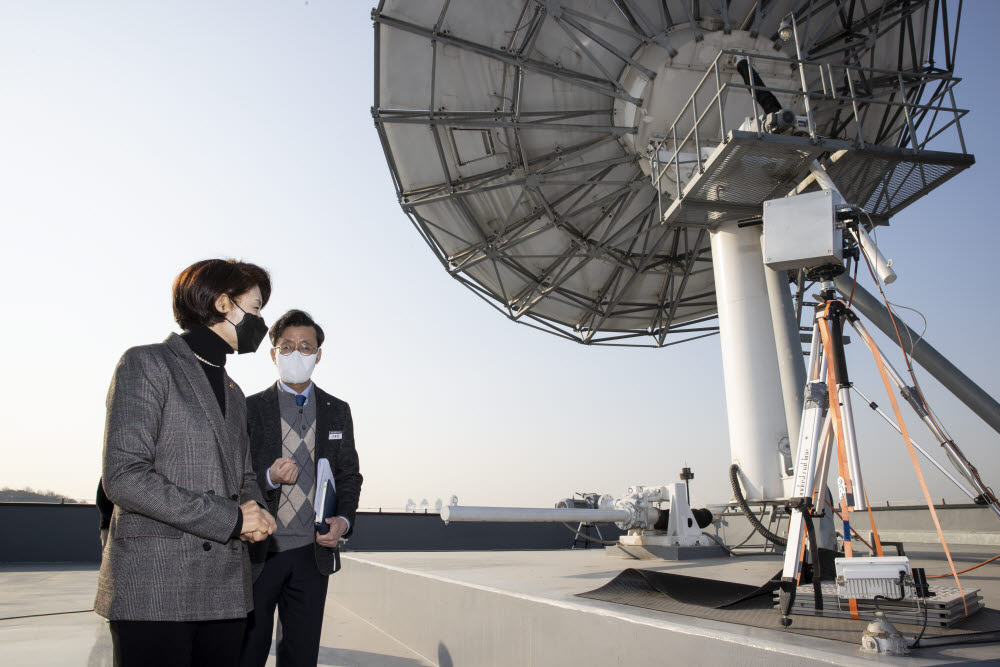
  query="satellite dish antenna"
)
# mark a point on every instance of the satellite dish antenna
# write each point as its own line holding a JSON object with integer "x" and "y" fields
{"x": 517, "y": 133}
{"x": 581, "y": 166}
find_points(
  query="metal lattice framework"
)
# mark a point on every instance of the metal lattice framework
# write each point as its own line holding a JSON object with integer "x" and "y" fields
{"x": 499, "y": 127}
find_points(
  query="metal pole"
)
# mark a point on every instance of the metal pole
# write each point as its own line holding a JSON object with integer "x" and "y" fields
{"x": 791, "y": 362}
{"x": 941, "y": 468}
{"x": 954, "y": 380}
{"x": 904, "y": 389}
{"x": 802, "y": 78}
{"x": 531, "y": 514}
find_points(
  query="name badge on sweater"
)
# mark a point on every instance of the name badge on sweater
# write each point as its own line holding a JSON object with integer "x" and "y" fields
{"x": 336, "y": 435}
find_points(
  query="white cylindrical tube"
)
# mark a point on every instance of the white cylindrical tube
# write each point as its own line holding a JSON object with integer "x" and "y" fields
{"x": 882, "y": 266}
{"x": 822, "y": 178}
{"x": 531, "y": 514}
{"x": 754, "y": 405}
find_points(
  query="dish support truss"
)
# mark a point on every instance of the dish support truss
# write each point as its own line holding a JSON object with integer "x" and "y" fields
{"x": 742, "y": 168}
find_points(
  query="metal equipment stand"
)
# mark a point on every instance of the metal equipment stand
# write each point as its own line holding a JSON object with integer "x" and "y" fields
{"x": 583, "y": 535}
{"x": 828, "y": 372}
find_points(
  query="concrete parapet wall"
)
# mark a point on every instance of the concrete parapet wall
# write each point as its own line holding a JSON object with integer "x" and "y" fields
{"x": 40, "y": 532}
{"x": 49, "y": 533}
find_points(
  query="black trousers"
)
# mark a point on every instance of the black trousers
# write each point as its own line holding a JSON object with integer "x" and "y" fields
{"x": 291, "y": 582}
{"x": 177, "y": 643}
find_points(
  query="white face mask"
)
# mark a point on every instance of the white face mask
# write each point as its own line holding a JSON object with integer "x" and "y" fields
{"x": 295, "y": 368}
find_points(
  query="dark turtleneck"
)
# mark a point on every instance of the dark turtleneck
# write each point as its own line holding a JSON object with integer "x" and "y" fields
{"x": 211, "y": 348}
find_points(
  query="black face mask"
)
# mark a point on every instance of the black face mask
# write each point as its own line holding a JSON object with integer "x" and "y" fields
{"x": 249, "y": 332}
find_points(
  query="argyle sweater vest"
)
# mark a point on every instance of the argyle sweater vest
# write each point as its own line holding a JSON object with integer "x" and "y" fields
{"x": 296, "y": 515}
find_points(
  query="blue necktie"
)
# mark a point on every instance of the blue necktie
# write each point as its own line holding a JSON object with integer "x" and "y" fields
{"x": 300, "y": 400}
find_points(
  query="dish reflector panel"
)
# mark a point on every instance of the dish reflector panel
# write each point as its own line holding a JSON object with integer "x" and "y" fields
{"x": 517, "y": 133}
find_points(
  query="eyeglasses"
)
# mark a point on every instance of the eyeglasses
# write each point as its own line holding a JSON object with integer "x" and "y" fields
{"x": 287, "y": 348}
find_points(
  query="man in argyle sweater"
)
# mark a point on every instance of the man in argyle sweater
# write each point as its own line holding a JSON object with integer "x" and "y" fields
{"x": 292, "y": 425}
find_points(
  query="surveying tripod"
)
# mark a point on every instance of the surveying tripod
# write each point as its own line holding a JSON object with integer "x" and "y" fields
{"x": 827, "y": 374}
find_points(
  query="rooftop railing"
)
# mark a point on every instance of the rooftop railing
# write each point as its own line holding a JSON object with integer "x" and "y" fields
{"x": 862, "y": 105}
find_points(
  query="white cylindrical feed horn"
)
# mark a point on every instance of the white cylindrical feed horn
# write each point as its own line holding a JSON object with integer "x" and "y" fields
{"x": 531, "y": 514}
{"x": 883, "y": 268}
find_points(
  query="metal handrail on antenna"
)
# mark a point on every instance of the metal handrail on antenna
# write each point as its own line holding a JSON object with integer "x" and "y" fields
{"x": 818, "y": 86}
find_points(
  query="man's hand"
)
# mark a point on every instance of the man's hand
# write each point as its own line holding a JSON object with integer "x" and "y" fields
{"x": 283, "y": 471}
{"x": 338, "y": 527}
{"x": 257, "y": 523}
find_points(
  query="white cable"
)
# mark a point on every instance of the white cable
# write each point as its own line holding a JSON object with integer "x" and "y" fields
{"x": 916, "y": 382}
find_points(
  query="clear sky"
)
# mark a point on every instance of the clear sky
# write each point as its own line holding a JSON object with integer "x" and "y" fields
{"x": 139, "y": 137}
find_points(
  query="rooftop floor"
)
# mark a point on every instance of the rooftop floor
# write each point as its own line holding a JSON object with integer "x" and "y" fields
{"x": 46, "y": 617}
{"x": 525, "y": 607}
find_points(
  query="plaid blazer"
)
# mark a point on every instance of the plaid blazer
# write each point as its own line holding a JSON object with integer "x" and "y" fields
{"x": 177, "y": 472}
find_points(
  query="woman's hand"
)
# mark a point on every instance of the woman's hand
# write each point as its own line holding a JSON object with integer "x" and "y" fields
{"x": 256, "y": 536}
{"x": 257, "y": 522}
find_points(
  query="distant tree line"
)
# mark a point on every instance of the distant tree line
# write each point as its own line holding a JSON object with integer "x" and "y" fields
{"x": 30, "y": 495}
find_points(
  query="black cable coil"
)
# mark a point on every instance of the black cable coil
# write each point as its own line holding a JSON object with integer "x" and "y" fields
{"x": 734, "y": 480}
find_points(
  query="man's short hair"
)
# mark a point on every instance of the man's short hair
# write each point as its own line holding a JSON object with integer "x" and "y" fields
{"x": 295, "y": 318}
{"x": 197, "y": 288}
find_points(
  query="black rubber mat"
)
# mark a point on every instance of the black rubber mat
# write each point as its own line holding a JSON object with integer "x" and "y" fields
{"x": 748, "y": 605}
{"x": 703, "y": 592}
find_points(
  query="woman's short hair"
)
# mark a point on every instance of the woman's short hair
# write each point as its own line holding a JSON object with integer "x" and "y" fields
{"x": 198, "y": 286}
{"x": 295, "y": 318}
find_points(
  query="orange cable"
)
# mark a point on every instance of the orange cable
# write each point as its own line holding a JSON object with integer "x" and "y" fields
{"x": 871, "y": 520}
{"x": 930, "y": 414}
{"x": 916, "y": 464}
{"x": 968, "y": 569}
